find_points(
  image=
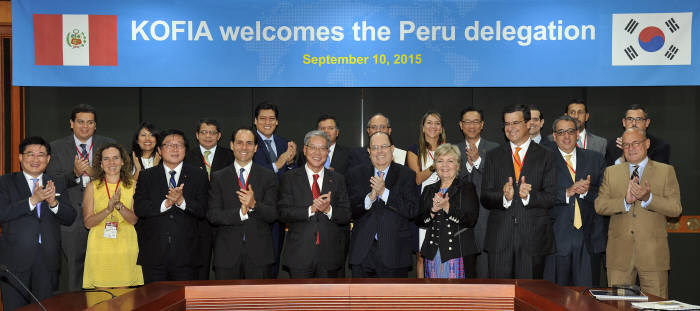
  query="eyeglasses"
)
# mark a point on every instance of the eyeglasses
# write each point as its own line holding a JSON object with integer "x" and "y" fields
{"x": 637, "y": 119}
{"x": 316, "y": 148}
{"x": 205, "y": 132}
{"x": 514, "y": 123}
{"x": 563, "y": 132}
{"x": 634, "y": 144}
{"x": 378, "y": 127}
{"x": 469, "y": 122}
{"x": 376, "y": 148}
{"x": 39, "y": 155}
{"x": 576, "y": 113}
{"x": 84, "y": 122}
{"x": 174, "y": 146}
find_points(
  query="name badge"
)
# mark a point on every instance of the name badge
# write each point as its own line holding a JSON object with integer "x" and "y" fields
{"x": 111, "y": 230}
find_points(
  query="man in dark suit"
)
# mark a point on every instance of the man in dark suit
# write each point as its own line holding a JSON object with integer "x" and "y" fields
{"x": 71, "y": 162}
{"x": 209, "y": 157}
{"x": 31, "y": 212}
{"x": 276, "y": 154}
{"x": 578, "y": 174}
{"x": 534, "y": 127}
{"x": 384, "y": 199}
{"x": 337, "y": 155}
{"x": 314, "y": 204}
{"x": 637, "y": 117}
{"x": 243, "y": 204}
{"x": 518, "y": 188}
{"x": 376, "y": 123}
{"x": 473, "y": 150}
{"x": 170, "y": 199}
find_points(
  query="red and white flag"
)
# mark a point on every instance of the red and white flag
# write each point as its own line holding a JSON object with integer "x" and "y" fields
{"x": 75, "y": 40}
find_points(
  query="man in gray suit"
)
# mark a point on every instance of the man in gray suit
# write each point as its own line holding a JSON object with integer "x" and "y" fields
{"x": 473, "y": 149}
{"x": 71, "y": 160}
{"x": 578, "y": 110}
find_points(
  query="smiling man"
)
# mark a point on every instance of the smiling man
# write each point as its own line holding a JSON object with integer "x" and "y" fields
{"x": 31, "y": 212}
{"x": 638, "y": 117}
{"x": 243, "y": 206}
{"x": 72, "y": 161}
{"x": 518, "y": 189}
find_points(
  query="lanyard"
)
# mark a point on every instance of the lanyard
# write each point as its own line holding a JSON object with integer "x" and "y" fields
{"x": 244, "y": 187}
{"x": 205, "y": 161}
{"x": 107, "y": 188}
{"x": 585, "y": 141}
{"x": 431, "y": 155}
{"x": 571, "y": 168}
{"x": 521, "y": 160}
{"x": 84, "y": 156}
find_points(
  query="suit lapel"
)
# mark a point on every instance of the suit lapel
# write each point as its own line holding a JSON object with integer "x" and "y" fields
{"x": 265, "y": 151}
{"x": 391, "y": 176}
{"x": 162, "y": 178}
{"x": 328, "y": 182}
{"x": 184, "y": 174}
{"x": 531, "y": 153}
{"x": 580, "y": 163}
{"x": 304, "y": 180}
{"x": 22, "y": 185}
{"x": 507, "y": 154}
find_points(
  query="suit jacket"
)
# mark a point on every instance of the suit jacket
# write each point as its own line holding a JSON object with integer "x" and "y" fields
{"x": 262, "y": 157}
{"x": 587, "y": 163}
{"x": 534, "y": 225}
{"x": 63, "y": 152}
{"x": 224, "y": 212}
{"x": 295, "y": 197}
{"x": 222, "y": 158}
{"x": 452, "y": 233}
{"x": 21, "y": 227}
{"x": 174, "y": 227}
{"x": 390, "y": 220}
{"x": 475, "y": 177}
{"x": 659, "y": 150}
{"x": 593, "y": 142}
{"x": 641, "y": 231}
{"x": 339, "y": 161}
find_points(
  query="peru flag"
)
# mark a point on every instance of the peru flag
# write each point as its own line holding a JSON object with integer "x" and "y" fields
{"x": 75, "y": 40}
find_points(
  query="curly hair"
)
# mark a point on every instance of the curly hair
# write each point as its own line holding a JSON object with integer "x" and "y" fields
{"x": 125, "y": 171}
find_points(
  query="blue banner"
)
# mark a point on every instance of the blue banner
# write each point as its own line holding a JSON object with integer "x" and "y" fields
{"x": 382, "y": 43}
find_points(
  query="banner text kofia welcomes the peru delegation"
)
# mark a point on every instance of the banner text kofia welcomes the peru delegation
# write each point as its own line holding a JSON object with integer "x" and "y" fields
{"x": 524, "y": 35}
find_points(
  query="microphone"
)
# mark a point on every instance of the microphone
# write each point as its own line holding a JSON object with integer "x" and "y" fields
{"x": 4, "y": 268}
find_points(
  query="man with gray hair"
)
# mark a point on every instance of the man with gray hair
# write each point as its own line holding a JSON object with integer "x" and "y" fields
{"x": 314, "y": 204}
{"x": 376, "y": 123}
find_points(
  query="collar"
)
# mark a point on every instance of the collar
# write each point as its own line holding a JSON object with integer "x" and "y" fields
{"x": 582, "y": 135}
{"x": 385, "y": 171}
{"x": 564, "y": 154}
{"x": 641, "y": 165}
{"x": 310, "y": 173}
{"x": 202, "y": 149}
{"x": 272, "y": 137}
{"x": 177, "y": 170}
{"x": 29, "y": 178}
{"x": 537, "y": 138}
{"x": 238, "y": 167}
{"x": 87, "y": 143}
{"x": 478, "y": 141}
{"x": 523, "y": 147}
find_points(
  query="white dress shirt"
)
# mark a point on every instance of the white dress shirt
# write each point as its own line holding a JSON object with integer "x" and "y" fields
{"x": 521, "y": 153}
{"x": 310, "y": 176}
{"x": 246, "y": 173}
{"x": 177, "y": 170}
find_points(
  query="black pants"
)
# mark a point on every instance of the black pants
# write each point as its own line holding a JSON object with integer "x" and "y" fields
{"x": 373, "y": 267}
{"x": 244, "y": 268}
{"x": 38, "y": 279}
{"x": 168, "y": 271}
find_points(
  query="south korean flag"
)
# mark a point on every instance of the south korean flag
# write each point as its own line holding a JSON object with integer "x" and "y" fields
{"x": 651, "y": 39}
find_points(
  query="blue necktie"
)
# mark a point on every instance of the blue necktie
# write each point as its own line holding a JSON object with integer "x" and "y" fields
{"x": 241, "y": 178}
{"x": 173, "y": 183}
{"x": 328, "y": 162}
{"x": 270, "y": 152}
{"x": 35, "y": 181}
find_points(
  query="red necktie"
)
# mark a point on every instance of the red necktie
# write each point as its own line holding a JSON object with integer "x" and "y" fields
{"x": 316, "y": 191}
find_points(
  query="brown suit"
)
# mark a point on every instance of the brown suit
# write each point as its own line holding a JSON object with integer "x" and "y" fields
{"x": 637, "y": 240}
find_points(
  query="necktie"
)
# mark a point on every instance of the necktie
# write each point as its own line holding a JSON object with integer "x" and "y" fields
{"x": 173, "y": 183}
{"x": 579, "y": 142}
{"x": 517, "y": 163}
{"x": 35, "y": 181}
{"x": 577, "y": 211}
{"x": 241, "y": 179}
{"x": 328, "y": 162}
{"x": 270, "y": 152}
{"x": 83, "y": 152}
{"x": 635, "y": 173}
{"x": 376, "y": 235}
{"x": 206, "y": 161}
{"x": 316, "y": 191}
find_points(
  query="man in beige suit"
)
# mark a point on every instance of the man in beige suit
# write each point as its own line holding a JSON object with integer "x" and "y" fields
{"x": 639, "y": 195}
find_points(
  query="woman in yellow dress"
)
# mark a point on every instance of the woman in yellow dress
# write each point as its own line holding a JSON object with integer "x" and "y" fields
{"x": 108, "y": 212}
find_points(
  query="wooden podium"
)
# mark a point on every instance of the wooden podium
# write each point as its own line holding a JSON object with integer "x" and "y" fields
{"x": 337, "y": 294}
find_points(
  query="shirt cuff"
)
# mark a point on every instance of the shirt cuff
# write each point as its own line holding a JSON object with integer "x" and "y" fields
{"x": 506, "y": 203}
{"x": 274, "y": 167}
{"x": 627, "y": 205}
{"x": 583, "y": 195}
{"x": 243, "y": 217}
{"x": 368, "y": 202}
{"x": 647, "y": 202}
{"x": 183, "y": 205}
{"x": 526, "y": 201}
{"x": 330, "y": 212}
{"x": 55, "y": 208}
{"x": 31, "y": 207}
{"x": 385, "y": 195}
{"x": 477, "y": 163}
{"x": 310, "y": 213}
{"x": 164, "y": 208}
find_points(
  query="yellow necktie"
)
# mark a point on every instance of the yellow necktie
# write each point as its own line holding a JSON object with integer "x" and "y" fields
{"x": 577, "y": 211}
{"x": 206, "y": 161}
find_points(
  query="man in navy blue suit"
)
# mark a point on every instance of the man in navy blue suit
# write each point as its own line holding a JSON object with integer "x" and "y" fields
{"x": 275, "y": 153}
{"x": 578, "y": 175}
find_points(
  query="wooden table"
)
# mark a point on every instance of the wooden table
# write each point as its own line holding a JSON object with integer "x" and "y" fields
{"x": 338, "y": 294}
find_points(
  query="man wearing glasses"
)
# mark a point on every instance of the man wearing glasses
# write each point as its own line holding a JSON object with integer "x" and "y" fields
{"x": 384, "y": 200}
{"x": 170, "y": 200}
{"x": 314, "y": 204}
{"x": 518, "y": 188}
{"x": 473, "y": 149}
{"x": 209, "y": 157}
{"x": 578, "y": 175}
{"x": 376, "y": 123}
{"x": 639, "y": 195}
{"x": 72, "y": 161}
{"x": 637, "y": 117}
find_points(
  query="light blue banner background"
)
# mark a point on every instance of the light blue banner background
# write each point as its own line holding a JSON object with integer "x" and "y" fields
{"x": 278, "y": 63}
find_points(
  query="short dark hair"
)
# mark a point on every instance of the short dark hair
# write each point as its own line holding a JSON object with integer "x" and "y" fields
{"x": 375, "y": 133}
{"x": 522, "y": 108}
{"x": 266, "y": 105}
{"x": 577, "y": 101}
{"x": 636, "y": 107}
{"x": 83, "y": 108}
{"x": 169, "y": 132}
{"x": 207, "y": 121}
{"x": 325, "y": 117}
{"x": 470, "y": 109}
{"x": 245, "y": 128}
{"x": 530, "y": 108}
{"x": 34, "y": 140}
{"x": 135, "y": 140}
